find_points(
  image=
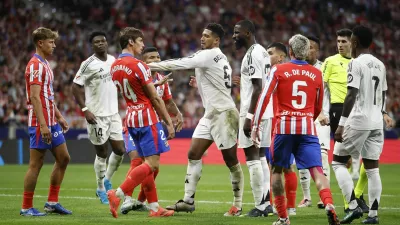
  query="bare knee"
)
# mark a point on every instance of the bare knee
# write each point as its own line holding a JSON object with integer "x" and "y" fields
{"x": 118, "y": 147}
{"x": 195, "y": 155}
{"x": 63, "y": 161}
{"x": 36, "y": 166}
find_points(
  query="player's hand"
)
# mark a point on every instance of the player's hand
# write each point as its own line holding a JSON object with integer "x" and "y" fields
{"x": 193, "y": 81}
{"x": 323, "y": 120}
{"x": 64, "y": 125}
{"x": 247, "y": 128}
{"x": 388, "y": 120}
{"x": 179, "y": 122}
{"x": 255, "y": 137}
{"x": 339, "y": 134}
{"x": 171, "y": 132}
{"x": 46, "y": 134}
{"x": 164, "y": 80}
{"x": 236, "y": 80}
{"x": 90, "y": 118}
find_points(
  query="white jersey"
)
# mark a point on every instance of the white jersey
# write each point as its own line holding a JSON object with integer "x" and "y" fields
{"x": 101, "y": 96}
{"x": 256, "y": 64}
{"x": 368, "y": 75}
{"x": 326, "y": 101}
{"x": 213, "y": 76}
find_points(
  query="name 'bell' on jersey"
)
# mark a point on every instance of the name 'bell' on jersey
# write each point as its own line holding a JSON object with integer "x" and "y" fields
{"x": 299, "y": 90}
{"x": 130, "y": 75}
{"x": 368, "y": 75}
{"x": 38, "y": 72}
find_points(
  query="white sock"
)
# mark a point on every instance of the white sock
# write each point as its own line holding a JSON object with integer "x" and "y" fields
{"x": 305, "y": 178}
{"x": 100, "y": 170}
{"x": 113, "y": 163}
{"x": 355, "y": 164}
{"x": 237, "y": 181}
{"x": 127, "y": 198}
{"x": 120, "y": 194}
{"x": 266, "y": 179}
{"x": 256, "y": 183}
{"x": 374, "y": 190}
{"x": 345, "y": 182}
{"x": 325, "y": 164}
{"x": 193, "y": 174}
{"x": 154, "y": 206}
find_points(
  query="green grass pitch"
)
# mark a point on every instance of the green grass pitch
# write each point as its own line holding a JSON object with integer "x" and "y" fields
{"x": 213, "y": 198}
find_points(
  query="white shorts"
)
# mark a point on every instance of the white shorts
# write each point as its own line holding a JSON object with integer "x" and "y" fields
{"x": 368, "y": 143}
{"x": 107, "y": 127}
{"x": 220, "y": 127}
{"x": 265, "y": 134}
{"x": 324, "y": 135}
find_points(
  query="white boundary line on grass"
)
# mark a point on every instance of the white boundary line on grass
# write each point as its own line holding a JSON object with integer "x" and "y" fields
{"x": 159, "y": 190}
{"x": 199, "y": 201}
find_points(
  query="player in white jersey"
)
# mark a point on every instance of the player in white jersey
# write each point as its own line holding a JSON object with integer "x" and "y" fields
{"x": 255, "y": 66}
{"x": 97, "y": 96}
{"x": 213, "y": 76}
{"x": 360, "y": 128}
{"x": 322, "y": 129}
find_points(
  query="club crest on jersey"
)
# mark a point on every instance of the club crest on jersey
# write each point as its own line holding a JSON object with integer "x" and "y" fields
{"x": 35, "y": 73}
{"x": 349, "y": 78}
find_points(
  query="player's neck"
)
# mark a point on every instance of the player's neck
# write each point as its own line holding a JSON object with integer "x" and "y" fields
{"x": 129, "y": 51}
{"x": 41, "y": 54}
{"x": 251, "y": 42}
{"x": 312, "y": 63}
{"x": 102, "y": 56}
{"x": 347, "y": 55}
{"x": 362, "y": 51}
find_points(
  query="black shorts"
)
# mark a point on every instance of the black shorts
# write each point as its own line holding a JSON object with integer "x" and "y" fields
{"x": 334, "y": 116}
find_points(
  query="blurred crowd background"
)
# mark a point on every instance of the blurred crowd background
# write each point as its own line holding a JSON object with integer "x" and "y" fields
{"x": 175, "y": 27}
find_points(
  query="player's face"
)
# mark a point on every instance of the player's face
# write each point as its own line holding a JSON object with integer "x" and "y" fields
{"x": 275, "y": 56}
{"x": 313, "y": 53}
{"x": 138, "y": 46}
{"x": 99, "y": 44}
{"x": 208, "y": 39}
{"x": 47, "y": 46}
{"x": 151, "y": 57}
{"x": 239, "y": 36}
{"x": 343, "y": 44}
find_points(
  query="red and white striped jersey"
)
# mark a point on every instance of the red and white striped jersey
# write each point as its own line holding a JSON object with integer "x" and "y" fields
{"x": 38, "y": 72}
{"x": 163, "y": 91}
{"x": 299, "y": 91}
{"x": 130, "y": 75}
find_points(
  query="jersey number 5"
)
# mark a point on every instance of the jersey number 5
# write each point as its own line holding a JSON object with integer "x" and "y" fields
{"x": 296, "y": 93}
{"x": 127, "y": 90}
{"x": 227, "y": 76}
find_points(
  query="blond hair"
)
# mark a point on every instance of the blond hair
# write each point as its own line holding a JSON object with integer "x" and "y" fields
{"x": 43, "y": 33}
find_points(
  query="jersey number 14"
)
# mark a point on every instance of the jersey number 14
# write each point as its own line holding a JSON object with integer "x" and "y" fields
{"x": 126, "y": 90}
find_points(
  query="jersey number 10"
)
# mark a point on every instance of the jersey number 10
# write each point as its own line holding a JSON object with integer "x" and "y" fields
{"x": 127, "y": 90}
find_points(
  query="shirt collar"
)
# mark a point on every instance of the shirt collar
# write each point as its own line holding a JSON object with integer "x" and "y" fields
{"x": 126, "y": 55}
{"x": 299, "y": 62}
{"x": 40, "y": 58}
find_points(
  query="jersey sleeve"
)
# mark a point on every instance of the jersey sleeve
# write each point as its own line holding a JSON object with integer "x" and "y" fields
{"x": 326, "y": 70}
{"x": 263, "y": 100}
{"x": 196, "y": 60}
{"x": 143, "y": 73}
{"x": 354, "y": 74}
{"x": 319, "y": 100}
{"x": 83, "y": 73}
{"x": 326, "y": 102}
{"x": 167, "y": 92}
{"x": 36, "y": 73}
{"x": 256, "y": 65}
{"x": 384, "y": 84}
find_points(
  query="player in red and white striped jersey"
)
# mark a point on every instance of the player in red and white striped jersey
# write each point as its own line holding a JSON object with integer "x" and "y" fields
{"x": 46, "y": 125}
{"x": 133, "y": 79}
{"x": 295, "y": 131}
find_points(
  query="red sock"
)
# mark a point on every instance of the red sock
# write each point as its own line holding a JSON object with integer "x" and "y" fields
{"x": 142, "y": 195}
{"x": 53, "y": 193}
{"x": 291, "y": 188}
{"x": 136, "y": 177}
{"x": 326, "y": 196}
{"x": 27, "y": 201}
{"x": 149, "y": 189}
{"x": 134, "y": 163}
{"x": 280, "y": 205}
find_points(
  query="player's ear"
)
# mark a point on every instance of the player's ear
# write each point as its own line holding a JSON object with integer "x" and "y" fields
{"x": 131, "y": 42}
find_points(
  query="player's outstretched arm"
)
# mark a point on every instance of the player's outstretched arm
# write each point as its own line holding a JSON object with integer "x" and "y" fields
{"x": 37, "y": 107}
{"x": 186, "y": 63}
{"x": 159, "y": 106}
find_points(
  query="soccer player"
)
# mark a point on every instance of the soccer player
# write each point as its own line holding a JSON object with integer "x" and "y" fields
{"x": 323, "y": 131}
{"x": 150, "y": 54}
{"x": 213, "y": 76}
{"x": 255, "y": 66}
{"x": 132, "y": 77}
{"x": 360, "y": 128}
{"x": 97, "y": 96}
{"x": 46, "y": 126}
{"x": 295, "y": 130}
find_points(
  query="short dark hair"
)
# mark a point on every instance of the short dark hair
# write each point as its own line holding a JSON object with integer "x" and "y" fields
{"x": 217, "y": 29}
{"x": 248, "y": 25}
{"x": 42, "y": 33}
{"x": 149, "y": 49}
{"x": 344, "y": 32}
{"x": 315, "y": 39}
{"x": 278, "y": 45}
{"x": 95, "y": 34}
{"x": 129, "y": 33}
{"x": 364, "y": 35}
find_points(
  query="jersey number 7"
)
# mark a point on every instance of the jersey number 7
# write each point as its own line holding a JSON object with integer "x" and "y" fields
{"x": 127, "y": 90}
